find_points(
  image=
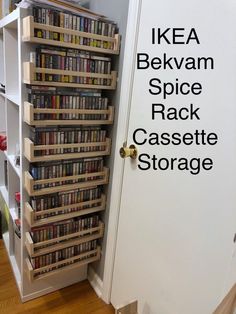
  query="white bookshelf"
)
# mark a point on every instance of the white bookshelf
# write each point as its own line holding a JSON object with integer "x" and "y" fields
{"x": 10, "y": 123}
{"x": 4, "y": 193}
{"x": 6, "y": 240}
{"x": 13, "y": 98}
{"x": 11, "y": 159}
{"x": 15, "y": 48}
{"x": 13, "y": 213}
{"x": 10, "y": 20}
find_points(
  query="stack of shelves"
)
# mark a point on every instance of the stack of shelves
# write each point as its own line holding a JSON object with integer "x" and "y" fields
{"x": 75, "y": 199}
{"x": 66, "y": 144}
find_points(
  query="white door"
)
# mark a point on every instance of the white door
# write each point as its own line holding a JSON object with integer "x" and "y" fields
{"x": 176, "y": 227}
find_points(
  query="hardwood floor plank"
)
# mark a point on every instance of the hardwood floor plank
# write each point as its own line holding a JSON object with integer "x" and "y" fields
{"x": 79, "y": 298}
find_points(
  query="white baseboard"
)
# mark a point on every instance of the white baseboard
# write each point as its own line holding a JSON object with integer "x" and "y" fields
{"x": 95, "y": 281}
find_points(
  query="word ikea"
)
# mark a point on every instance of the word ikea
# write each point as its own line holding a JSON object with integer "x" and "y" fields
{"x": 174, "y": 36}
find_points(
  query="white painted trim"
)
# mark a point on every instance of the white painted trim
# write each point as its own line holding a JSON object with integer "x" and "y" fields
{"x": 95, "y": 281}
{"x": 121, "y": 136}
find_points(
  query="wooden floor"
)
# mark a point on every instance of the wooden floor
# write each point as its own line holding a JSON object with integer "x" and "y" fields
{"x": 77, "y": 299}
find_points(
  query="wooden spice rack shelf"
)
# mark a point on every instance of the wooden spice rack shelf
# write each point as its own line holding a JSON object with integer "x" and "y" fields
{"x": 76, "y": 238}
{"x": 30, "y": 149}
{"x": 78, "y": 261}
{"x": 29, "y": 27}
{"x": 71, "y": 117}
{"x": 30, "y": 70}
{"x": 30, "y": 182}
{"x": 92, "y": 206}
{"x": 30, "y": 111}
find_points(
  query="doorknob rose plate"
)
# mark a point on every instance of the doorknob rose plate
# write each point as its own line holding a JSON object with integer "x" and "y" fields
{"x": 130, "y": 151}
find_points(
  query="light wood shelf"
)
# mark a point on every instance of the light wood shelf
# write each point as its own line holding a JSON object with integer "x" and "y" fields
{"x": 33, "y": 219}
{"x": 30, "y": 70}
{"x": 30, "y": 182}
{"x": 30, "y": 149}
{"x": 83, "y": 258}
{"x": 28, "y": 36}
{"x": 30, "y": 111}
{"x": 52, "y": 245}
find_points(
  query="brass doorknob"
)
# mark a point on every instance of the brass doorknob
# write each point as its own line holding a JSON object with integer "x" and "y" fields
{"x": 130, "y": 151}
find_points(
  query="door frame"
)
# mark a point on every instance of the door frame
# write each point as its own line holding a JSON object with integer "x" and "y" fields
{"x": 126, "y": 90}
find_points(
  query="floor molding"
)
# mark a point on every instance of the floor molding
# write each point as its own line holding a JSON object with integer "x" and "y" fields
{"x": 95, "y": 281}
{"x": 228, "y": 304}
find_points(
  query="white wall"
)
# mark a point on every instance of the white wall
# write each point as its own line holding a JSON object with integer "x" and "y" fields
{"x": 116, "y": 11}
{"x": 175, "y": 238}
